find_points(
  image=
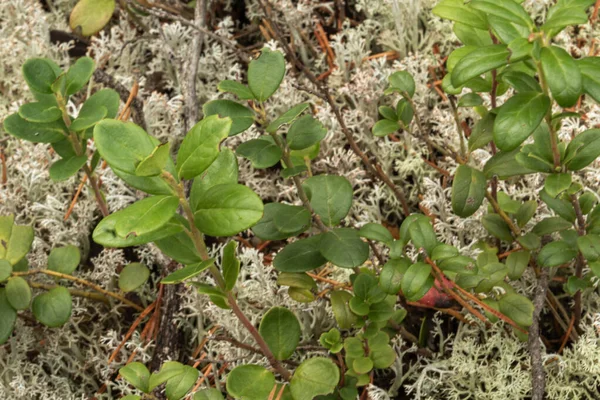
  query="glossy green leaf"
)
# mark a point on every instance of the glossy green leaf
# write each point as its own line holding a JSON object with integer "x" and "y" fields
{"x": 281, "y": 221}
{"x": 243, "y": 92}
{"x": 525, "y": 212}
{"x": 470, "y": 100}
{"x": 16, "y": 240}
{"x": 385, "y": 127}
{"x": 53, "y": 308}
{"x": 562, "y": 15}
{"x": 305, "y": 132}
{"x": 330, "y": 197}
{"x": 344, "y": 247}
{"x": 64, "y": 259}
{"x": 590, "y": 75}
{"x": 583, "y": 149}
{"x": 155, "y": 163}
{"x": 550, "y": 225}
{"x": 65, "y": 168}
{"x": 562, "y": 74}
{"x": 281, "y": 331}
{"x": 376, "y": 232}
{"x": 167, "y": 371}
{"x": 180, "y": 247}
{"x": 315, "y": 376}
{"x": 228, "y": 209}
{"x": 507, "y": 31}
{"x": 557, "y": 183}
{"x": 223, "y": 170}
{"x": 133, "y": 276}
{"x": 468, "y": 191}
{"x": 417, "y": 281}
{"x": 8, "y": 317}
{"x": 482, "y": 133}
{"x": 39, "y": 112}
{"x": 589, "y": 245}
{"x": 401, "y": 82}
{"x": 300, "y": 256}
{"x": 555, "y": 253}
{"x": 266, "y": 73}
{"x": 504, "y": 165}
{"x": 262, "y": 152}
{"x": 421, "y": 234}
{"x": 287, "y": 117}
{"x": 497, "y": 227}
{"x": 521, "y": 82}
{"x": 33, "y": 132}
{"x": 136, "y": 374}
{"x": 241, "y": 117}
{"x": 90, "y": 16}
{"x": 145, "y": 216}
{"x": 458, "y": 11}
{"x": 479, "y": 61}
{"x": 178, "y": 386}
{"x": 341, "y": 311}
{"x": 509, "y": 10}
{"x": 187, "y": 272}
{"x": 230, "y": 265}
{"x": 78, "y": 75}
{"x": 40, "y": 73}
{"x": 561, "y": 206}
{"x": 18, "y": 293}
{"x": 250, "y": 382}
{"x": 390, "y": 279}
{"x": 517, "y": 307}
{"x": 404, "y": 112}
{"x": 518, "y": 118}
{"x": 530, "y": 241}
{"x": 106, "y": 235}
{"x": 200, "y": 147}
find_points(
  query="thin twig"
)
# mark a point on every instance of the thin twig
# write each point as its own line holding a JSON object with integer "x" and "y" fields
{"x": 538, "y": 376}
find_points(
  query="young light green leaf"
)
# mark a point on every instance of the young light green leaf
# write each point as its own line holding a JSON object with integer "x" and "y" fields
{"x": 18, "y": 293}
{"x": 262, "y": 152}
{"x": 5, "y": 270}
{"x": 344, "y": 247}
{"x": 509, "y": 10}
{"x": 106, "y": 235}
{"x": 385, "y": 127}
{"x": 241, "y": 117}
{"x": 266, "y": 73}
{"x": 300, "y": 256}
{"x": 90, "y": 16}
{"x": 200, "y": 147}
{"x": 401, "y": 82}
{"x": 145, "y": 216}
{"x": 53, "y": 308}
{"x": 562, "y": 74}
{"x": 187, "y": 272}
{"x": 64, "y": 259}
{"x": 230, "y": 265}
{"x": 281, "y": 331}
{"x": 156, "y": 162}
{"x": 477, "y": 62}
{"x": 208, "y": 394}
{"x": 223, "y": 170}
{"x": 305, "y": 132}
{"x": 136, "y": 374}
{"x": 133, "y": 276}
{"x": 468, "y": 191}
{"x": 241, "y": 91}
{"x": 78, "y": 75}
{"x": 8, "y": 317}
{"x": 16, "y": 240}
{"x": 458, "y": 11}
{"x": 167, "y": 371}
{"x": 518, "y": 118}
{"x": 377, "y": 232}
{"x": 177, "y": 387}
{"x": 228, "y": 209}
{"x": 330, "y": 196}
{"x": 65, "y": 168}
{"x": 315, "y": 376}
{"x": 250, "y": 382}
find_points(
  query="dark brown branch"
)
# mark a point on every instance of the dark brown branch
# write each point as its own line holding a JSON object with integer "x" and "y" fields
{"x": 538, "y": 376}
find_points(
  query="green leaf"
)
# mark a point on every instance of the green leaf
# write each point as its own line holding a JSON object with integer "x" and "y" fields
{"x": 497, "y": 227}
{"x": 344, "y": 247}
{"x": 18, "y": 293}
{"x": 562, "y": 74}
{"x": 341, "y": 311}
{"x": 241, "y": 117}
{"x": 16, "y": 240}
{"x": 200, "y": 147}
{"x": 230, "y": 265}
{"x": 300, "y": 256}
{"x": 315, "y": 376}
{"x": 509, "y": 10}
{"x": 305, "y": 132}
{"x": 180, "y": 247}
{"x": 422, "y": 234}
{"x": 550, "y": 225}
{"x": 78, "y": 75}
{"x": 91, "y": 15}
{"x": 417, "y": 281}
{"x": 557, "y": 183}
{"x": 228, "y": 209}
{"x": 187, "y": 272}
{"x": 156, "y": 162}
{"x": 530, "y": 241}
{"x": 589, "y": 245}
{"x": 133, "y": 276}
{"x": 516, "y": 263}
{"x": 362, "y": 365}
{"x": 583, "y": 149}
{"x": 5, "y": 270}
{"x": 443, "y": 251}
{"x": 458, "y": 11}
{"x": 525, "y": 212}
{"x": 470, "y": 100}
{"x": 262, "y": 152}
{"x": 390, "y": 279}
{"x": 208, "y": 394}
{"x": 241, "y": 91}
{"x": 401, "y": 82}
{"x": 65, "y": 168}
{"x": 106, "y": 235}
{"x": 388, "y": 112}
{"x": 479, "y": 61}
{"x": 223, "y": 170}
{"x": 404, "y": 112}
{"x": 376, "y": 232}
{"x": 555, "y": 253}
{"x": 468, "y": 191}
{"x": 520, "y": 81}
{"x": 40, "y": 74}
{"x": 297, "y": 280}
{"x": 64, "y": 259}
{"x": 482, "y": 132}
{"x": 471, "y": 36}
{"x": 8, "y": 317}
{"x": 136, "y": 374}
{"x": 88, "y": 117}
{"x": 562, "y": 207}
{"x": 106, "y": 98}
{"x": 281, "y": 331}
{"x": 33, "y": 132}
{"x": 177, "y": 387}
{"x": 385, "y": 127}
{"x": 508, "y": 31}
{"x": 504, "y": 165}
{"x": 53, "y": 308}
{"x": 145, "y": 216}
{"x": 518, "y": 118}
{"x": 250, "y": 382}
{"x": 39, "y": 112}
{"x": 293, "y": 171}
{"x": 287, "y": 117}
{"x": 281, "y": 221}
{"x": 330, "y": 197}
{"x": 167, "y": 371}
{"x": 561, "y": 16}
{"x": 266, "y": 73}
{"x": 521, "y": 49}
{"x": 590, "y": 74}
{"x": 517, "y": 307}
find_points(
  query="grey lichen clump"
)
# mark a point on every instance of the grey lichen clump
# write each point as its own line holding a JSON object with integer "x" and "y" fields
{"x": 71, "y": 363}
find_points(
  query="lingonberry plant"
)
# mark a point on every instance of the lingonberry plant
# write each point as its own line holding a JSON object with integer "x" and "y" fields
{"x": 505, "y": 54}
